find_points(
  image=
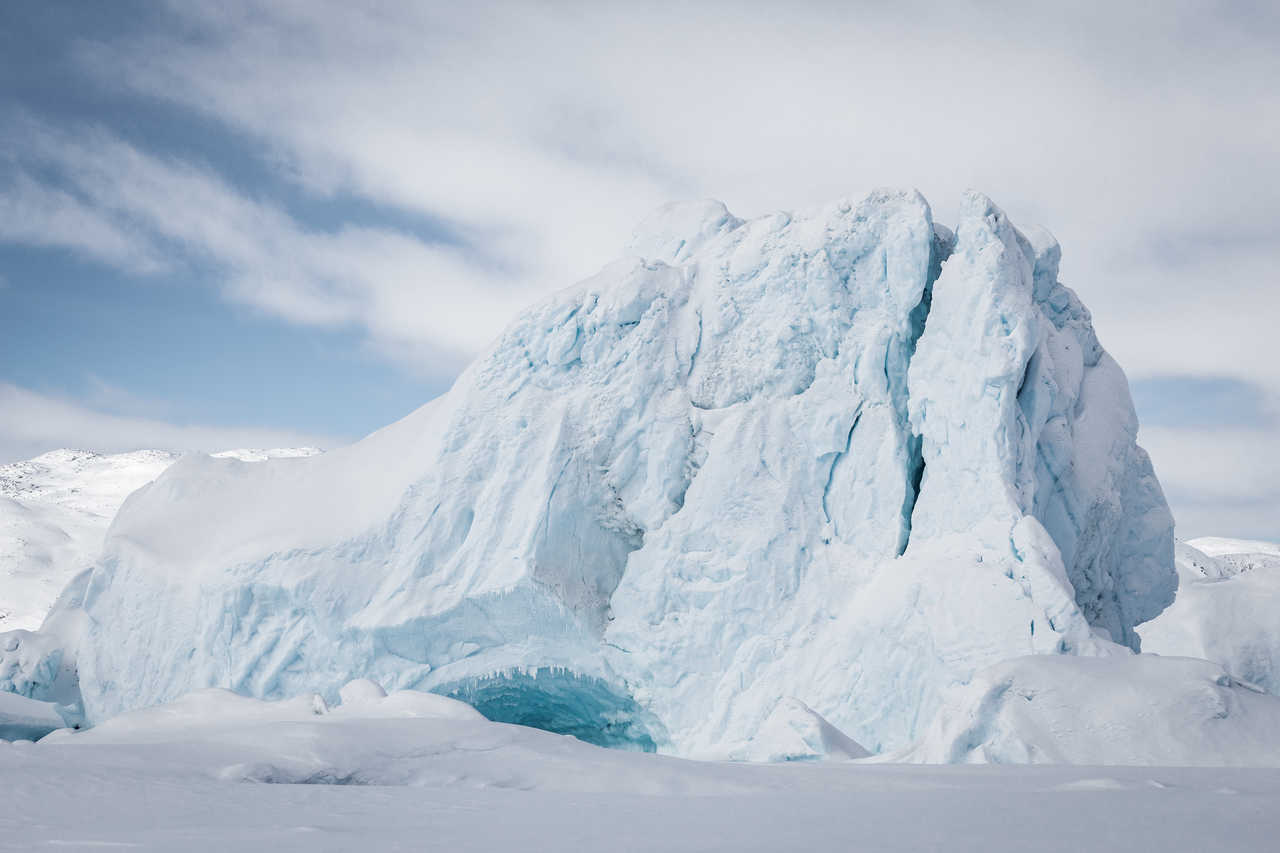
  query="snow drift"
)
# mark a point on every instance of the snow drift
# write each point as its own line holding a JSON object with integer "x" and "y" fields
{"x": 1131, "y": 709}
{"x": 365, "y": 781}
{"x": 843, "y": 459}
{"x": 1227, "y": 609}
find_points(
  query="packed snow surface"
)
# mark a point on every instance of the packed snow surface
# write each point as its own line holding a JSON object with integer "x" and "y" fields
{"x": 837, "y": 460}
{"x": 1227, "y": 609}
{"x": 216, "y": 771}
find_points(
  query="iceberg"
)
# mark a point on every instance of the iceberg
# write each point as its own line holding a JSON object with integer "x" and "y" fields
{"x": 845, "y": 458}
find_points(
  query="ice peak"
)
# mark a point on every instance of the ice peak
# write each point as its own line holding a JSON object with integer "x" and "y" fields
{"x": 675, "y": 232}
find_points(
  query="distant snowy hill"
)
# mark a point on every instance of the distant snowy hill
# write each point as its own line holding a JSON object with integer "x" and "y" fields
{"x": 54, "y": 512}
{"x": 821, "y": 464}
{"x": 1239, "y": 555}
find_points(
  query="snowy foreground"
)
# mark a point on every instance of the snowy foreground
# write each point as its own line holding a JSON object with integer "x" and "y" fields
{"x": 215, "y": 771}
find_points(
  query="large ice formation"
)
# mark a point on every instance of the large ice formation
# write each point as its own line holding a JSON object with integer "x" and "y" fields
{"x": 845, "y": 459}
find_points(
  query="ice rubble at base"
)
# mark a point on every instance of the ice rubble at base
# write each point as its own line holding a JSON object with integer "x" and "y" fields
{"x": 845, "y": 459}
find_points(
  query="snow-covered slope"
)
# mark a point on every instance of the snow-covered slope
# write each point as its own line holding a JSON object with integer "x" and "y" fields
{"x": 844, "y": 459}
{"x": 54, "y": 511}
{"x": 1227, "y": 609}
{"x": 1127, "y": 709}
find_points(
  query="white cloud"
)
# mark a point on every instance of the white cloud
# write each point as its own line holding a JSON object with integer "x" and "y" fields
{"x": 34, "y": 214}
{"x": 130, "y": 208}
{"x": 32, "y": 423}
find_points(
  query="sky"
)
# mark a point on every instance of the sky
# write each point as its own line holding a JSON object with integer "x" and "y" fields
{"x": 248, "y": 224}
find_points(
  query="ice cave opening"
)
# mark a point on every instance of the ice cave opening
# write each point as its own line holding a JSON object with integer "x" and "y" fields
{"x": 563, "y": 702}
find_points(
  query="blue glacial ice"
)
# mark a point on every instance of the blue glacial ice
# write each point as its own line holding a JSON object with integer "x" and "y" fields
{"x": 837, "y": 461}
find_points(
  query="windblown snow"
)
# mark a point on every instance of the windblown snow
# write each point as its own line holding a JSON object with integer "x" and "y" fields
{"x": 827, "y": 464}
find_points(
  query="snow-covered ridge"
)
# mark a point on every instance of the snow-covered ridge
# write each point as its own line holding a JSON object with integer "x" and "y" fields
{"x": 842, "y": 459}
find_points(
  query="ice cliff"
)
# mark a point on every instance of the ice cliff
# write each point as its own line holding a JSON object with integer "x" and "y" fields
{"x": 843, "y": 459}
